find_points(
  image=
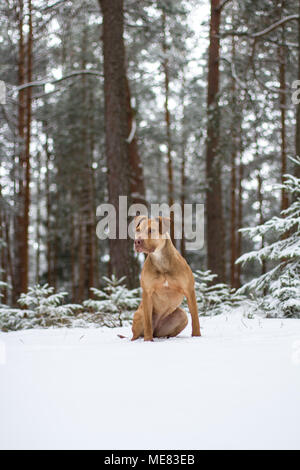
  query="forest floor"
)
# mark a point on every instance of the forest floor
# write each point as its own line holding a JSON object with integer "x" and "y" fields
{"x": 236, "y": 387}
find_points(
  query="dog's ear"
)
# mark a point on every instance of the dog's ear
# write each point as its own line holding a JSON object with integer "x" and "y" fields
{"x": 138, "y": 219}
{"x": 164, "y": 224}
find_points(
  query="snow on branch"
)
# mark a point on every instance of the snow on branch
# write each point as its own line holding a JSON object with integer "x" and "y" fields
{"x": 278, "y": 290}
{"x": 222, "y": 5}
{"x": 54, "y": 5}
{"x": 275, "y": 26}
{"x": 132, "y": 132}
{"x": 265, "y": 31}
{"x": 57, "y": 80}
{"x": 234, "y": 75}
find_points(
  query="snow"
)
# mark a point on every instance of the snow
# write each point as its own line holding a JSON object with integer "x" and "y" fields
{"x": 236, "y": 387}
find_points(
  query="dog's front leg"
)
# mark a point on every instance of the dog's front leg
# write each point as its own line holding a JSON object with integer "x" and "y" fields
{"x": 148, "y": 308}
{"x": 193, "y": 308}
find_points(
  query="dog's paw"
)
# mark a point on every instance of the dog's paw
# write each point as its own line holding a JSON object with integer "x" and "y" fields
{"x": 196, "y": 334}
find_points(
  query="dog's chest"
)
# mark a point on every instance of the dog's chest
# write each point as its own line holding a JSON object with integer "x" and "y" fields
{"x": 167, "y": 296}
{"x": 165, "y": 283}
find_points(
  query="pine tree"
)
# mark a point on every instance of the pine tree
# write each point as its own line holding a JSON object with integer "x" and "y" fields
{"x": 214, "y": 206}
{"x": 280, "y": 285}
{"x": 214, "y": 298}
{"x": 117, "y": 130}
{"x": 114, "y": 304}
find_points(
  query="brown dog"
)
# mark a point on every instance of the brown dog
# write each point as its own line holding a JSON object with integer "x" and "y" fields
{"x": 166, "y": 278}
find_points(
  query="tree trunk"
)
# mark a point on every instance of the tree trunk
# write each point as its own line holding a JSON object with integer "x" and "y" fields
{"x": 137, "y": 186}
{"x": 27, "y": 151}
{"x": 24, "y": 134}
{"x": 282, "y": 79}
{"x": 183, "y": 157}
{"x": 73, "y": 260}
{"x": 8, "y": 240}
{"x": 297, "y": 167}
{"x": 170, "y": 171}
{"x": 55, "y": 249}
{"x": 3, "y": 260}
{"x": 117, "y": 131}
{"x": 284, "y": 196}
{"x": 3, "y": 266}
{"x": 233, "y": 244}
{"x": 93, "y": 238}
{"x": 87, "y": 229}
{"x": 214, "y": 209}
{"x": 38, "y": 221}
{"x": 82, "y": 260}
{"x": 49, "y": 252}
{"x": 261, "y": 217}
{"x": 240, "y": 220}
{"x": 19, "y": 277}
{"x": 167, "y": 112}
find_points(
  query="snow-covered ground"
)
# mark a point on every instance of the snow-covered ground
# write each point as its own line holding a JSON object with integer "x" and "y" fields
{"x": 236, "y": 387}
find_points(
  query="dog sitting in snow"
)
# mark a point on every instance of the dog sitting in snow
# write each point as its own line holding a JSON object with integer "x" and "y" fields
{"x": 166, "y": 278}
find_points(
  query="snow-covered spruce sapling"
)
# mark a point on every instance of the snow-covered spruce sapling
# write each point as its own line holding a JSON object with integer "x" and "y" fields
{"x": 213, "y": 299}
{"x": 114, "y": 304}
{"x": 47, "y": 305}
{"x": 280, "y": 286}
{"x": 42, "y": 308}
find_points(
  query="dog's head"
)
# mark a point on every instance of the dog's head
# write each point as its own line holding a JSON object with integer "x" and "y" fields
{"x": 150, "y": 234}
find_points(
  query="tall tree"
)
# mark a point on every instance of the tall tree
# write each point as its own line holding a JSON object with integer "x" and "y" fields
{"x": 214, "y": 207}
{"x": 283, "y": 107}
{"x": 29, "y": 52}
{"x": 240, "y": 218}
{"x": 24, "y": 134}
{"x": 137, "y": 185}
{"x": 167, "y": 110}
{"x": 233, "y": 238}
{"x": 297, "y": 167}
{"x": 117, "y": 129}
{"x": 261, "y": 215}
{"x": 183, "y": 162}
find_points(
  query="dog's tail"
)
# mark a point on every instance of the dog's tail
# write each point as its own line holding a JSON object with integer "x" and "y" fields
{"x": 122, "y": 337}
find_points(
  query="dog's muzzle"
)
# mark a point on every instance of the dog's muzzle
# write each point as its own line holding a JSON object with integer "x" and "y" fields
{"x": 138, "y": 245}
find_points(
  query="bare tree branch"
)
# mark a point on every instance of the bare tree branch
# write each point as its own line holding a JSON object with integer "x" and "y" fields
{"x": 234, "y": 75}
{"x": 222, "y": 4}
{"x": 281, "y": 44}
{"x": 54, "y": 5}
{"x": 262, "y": 33}
{"x": 274, "y": 26}
{"x": 51, "y": 81}
{"x": 253, "y": 66}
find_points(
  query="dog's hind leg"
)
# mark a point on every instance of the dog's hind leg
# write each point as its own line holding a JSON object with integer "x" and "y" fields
{"x": 171, "y": 325}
